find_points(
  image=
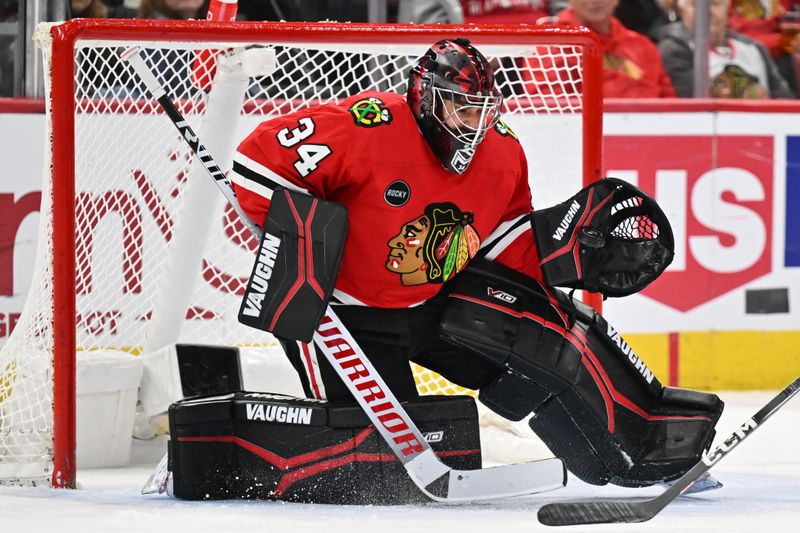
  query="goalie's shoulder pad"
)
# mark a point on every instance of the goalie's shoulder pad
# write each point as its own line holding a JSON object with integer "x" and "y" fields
{"x": 610, "y": 238}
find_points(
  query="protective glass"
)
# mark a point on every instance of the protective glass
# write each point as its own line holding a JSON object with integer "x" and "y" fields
{"x": 467, "y": 117}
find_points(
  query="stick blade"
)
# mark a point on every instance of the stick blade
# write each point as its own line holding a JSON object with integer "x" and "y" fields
{"x": 506, "y": 481}
{"x": 596, "y": 512}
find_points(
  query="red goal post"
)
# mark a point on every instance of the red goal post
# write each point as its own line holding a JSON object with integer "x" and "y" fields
{"x": 118, "y": 181}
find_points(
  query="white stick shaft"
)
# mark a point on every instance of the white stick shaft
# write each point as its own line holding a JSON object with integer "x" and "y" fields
{"x": 200, "y": 206}
{"x": 133, "y": 57}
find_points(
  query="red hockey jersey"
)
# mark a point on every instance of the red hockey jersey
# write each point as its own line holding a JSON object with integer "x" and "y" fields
{"x": 413, "y": 225}
{"x": 632, "y": 66}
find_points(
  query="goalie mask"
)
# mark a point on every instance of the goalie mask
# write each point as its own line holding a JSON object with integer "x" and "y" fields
{"x": 453, "y": 96}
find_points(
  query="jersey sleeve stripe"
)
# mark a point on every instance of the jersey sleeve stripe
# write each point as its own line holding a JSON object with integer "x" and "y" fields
{"x": 250, "y": 185}
{"x": 257, "y": 173}
{"x": 504, "y": 235}
{"x": 340, "y": 297}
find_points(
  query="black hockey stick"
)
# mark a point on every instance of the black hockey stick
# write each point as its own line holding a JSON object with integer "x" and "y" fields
{"x": 608, "y": 511}
{"x": 437, "y": 480}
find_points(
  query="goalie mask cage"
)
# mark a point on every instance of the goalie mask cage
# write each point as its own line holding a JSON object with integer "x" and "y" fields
{"x": 137, "y": 249}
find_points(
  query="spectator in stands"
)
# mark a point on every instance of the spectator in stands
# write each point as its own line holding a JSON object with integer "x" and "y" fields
{"x": 425, "y": 11}
{"x": 8, "y": 13}
{"x": 98, "y": 9}
{"x": 173, "y": 9}
{"x": 739, "y": 67}
{"x": 670, "y": 7}
{"x": 507, "y": 70}
{"x": 173, "y": 67}
{"x": 294, "y": 10}
{"x": 418, "y": 11}
{"x": 118, "y": 10}
{"x": 511, "y": 11}
{"x": 631, "y": 63}
{"x": 98, "y": 77}
{"x": 87, "y": 9}
{"x": 775, "y": 24}
{"x": 404, "y": 11}
{"x": 8, "y": 10}
{"x": 643, "y": 16}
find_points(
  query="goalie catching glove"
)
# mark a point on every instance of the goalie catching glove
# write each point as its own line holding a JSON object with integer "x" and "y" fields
{"x": 610, "y": 238}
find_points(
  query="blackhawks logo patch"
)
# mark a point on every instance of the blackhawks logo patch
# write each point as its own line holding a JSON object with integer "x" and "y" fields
{"x": 370, "y": 112}
{"x": 503, "y": 129}
{"x": 434, "y": 246}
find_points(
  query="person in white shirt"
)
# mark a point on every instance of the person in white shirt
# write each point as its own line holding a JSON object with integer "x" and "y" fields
{"x": 739, "y": 67}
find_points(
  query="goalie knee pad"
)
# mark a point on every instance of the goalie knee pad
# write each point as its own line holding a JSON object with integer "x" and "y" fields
{"x": 270, "y": 446}
{"x": 596, "y": 404}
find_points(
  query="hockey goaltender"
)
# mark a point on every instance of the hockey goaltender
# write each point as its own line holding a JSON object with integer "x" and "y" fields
{"x": 411, "y": 216}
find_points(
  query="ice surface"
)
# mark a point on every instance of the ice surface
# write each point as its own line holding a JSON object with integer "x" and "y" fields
{"x": 761, "y": 494}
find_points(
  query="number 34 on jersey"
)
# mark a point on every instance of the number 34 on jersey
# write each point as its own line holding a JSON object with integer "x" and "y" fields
{"x": 309, "y": 154}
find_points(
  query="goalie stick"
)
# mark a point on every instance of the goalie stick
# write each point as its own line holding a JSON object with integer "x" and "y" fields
{"x": 609, "y": 511}
{"x": 435, "y": 479}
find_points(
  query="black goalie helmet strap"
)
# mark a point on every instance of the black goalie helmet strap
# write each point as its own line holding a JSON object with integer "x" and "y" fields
{"x": 610, "y": 238}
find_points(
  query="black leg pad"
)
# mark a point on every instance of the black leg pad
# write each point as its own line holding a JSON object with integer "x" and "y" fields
{"x": 596, "y": 404}
{"x": 269, "y": 446}
{"x": 512, "y": 396}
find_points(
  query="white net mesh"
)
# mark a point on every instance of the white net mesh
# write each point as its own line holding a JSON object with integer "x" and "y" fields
{"x": 132, "y": 172}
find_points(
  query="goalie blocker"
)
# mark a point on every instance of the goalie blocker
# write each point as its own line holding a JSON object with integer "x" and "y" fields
{"x": 249, "y": 445}
{"x": 296, "y": 267}
{"x": 595, "y": 403}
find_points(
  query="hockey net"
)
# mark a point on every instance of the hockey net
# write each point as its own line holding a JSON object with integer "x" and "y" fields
{"x": 136, "y": 250}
